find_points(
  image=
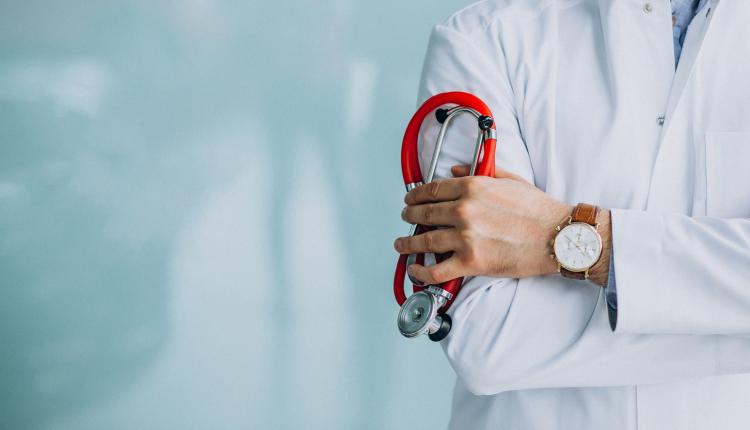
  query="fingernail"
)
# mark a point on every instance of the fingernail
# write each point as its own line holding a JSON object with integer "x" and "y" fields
{"x": 403, "y": 214}
{"x": 397, "y": 244}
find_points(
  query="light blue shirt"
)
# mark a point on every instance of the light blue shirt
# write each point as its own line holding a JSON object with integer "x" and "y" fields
{"x": 683, "y": 12}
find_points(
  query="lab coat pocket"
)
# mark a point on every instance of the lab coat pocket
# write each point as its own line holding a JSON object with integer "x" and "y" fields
{"x": 728, "y": 174}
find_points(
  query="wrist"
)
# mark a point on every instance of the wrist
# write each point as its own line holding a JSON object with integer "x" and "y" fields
{"x": 599, "y": 272}
{"x": 584, "y": 234}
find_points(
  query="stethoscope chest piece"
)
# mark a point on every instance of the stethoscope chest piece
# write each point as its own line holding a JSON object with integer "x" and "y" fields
{"x": 418, "y": 316}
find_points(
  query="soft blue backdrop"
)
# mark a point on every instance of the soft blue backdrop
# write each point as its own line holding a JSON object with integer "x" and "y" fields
{"x": 197, "y": 205}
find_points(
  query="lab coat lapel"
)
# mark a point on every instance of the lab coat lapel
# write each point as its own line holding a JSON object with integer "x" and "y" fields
{"x": 672, "y": 177}
{"x": 691, "y": 48}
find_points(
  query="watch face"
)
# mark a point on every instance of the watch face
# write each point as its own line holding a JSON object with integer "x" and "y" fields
{"x": 578, "y": 246}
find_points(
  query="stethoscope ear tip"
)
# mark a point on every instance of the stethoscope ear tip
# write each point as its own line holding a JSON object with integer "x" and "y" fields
{"x": 485, "y": 122}
{"x": 441, "y": 115}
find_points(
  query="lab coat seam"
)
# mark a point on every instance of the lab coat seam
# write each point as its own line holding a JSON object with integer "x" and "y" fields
{"x": 501, "y": 63}
{"x": 607, "y": 60}
{"x": 506, "y": 12}
{"x": 637, "y": 414}
{"x": 504, "y": 78}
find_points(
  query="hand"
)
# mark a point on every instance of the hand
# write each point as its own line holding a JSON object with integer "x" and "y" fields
{"x": 498, "y": 227}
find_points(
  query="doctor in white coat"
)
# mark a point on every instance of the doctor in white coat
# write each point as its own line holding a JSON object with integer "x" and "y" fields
{"x": 642, "y": 109}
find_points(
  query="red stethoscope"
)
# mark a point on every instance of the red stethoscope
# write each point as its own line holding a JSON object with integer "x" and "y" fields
{"x": 424, "y": 312}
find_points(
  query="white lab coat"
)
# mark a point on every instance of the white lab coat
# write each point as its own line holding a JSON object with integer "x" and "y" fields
{"x": 577, "y": 88}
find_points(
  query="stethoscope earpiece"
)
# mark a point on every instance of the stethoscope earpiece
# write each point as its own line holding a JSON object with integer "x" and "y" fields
{"x": 441, "y": 115}
{"x": 485, "y": 122}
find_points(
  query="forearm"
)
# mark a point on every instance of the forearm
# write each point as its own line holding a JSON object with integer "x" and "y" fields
{"x": 679, "y": 274}
{"x": 546, "y": 332}
{"x": 553, "y": 332}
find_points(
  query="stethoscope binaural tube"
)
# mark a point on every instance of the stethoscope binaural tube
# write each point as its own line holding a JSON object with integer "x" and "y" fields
{"x": 424, "y": 311}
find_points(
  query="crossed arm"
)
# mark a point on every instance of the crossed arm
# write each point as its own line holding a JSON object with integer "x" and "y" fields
{"x": 499, "y": 227}
{"x": 515, "y": 329}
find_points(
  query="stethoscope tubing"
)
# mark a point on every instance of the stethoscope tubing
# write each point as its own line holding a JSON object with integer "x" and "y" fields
{"x": 412, "y": 173}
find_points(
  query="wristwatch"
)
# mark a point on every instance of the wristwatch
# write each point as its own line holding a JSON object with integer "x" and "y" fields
{"x": 577, "y": 246}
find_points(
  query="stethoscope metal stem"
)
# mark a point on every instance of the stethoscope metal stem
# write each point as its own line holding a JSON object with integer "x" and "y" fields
{"x": 447, "y": 117}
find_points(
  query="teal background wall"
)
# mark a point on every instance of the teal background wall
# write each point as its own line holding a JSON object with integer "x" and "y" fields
{"x": 197, "y": 205}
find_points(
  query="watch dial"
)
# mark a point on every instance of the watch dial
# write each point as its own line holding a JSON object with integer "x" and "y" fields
{"x": 577, "y": 247}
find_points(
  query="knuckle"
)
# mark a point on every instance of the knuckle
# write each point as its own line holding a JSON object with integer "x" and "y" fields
{"x": 433, "y": 188}
{"x": 436, "y": 273}
{"x": 461, "y": 210}
{"x": 470, "y": 250}
{"x": 427, "y": 213}
{"x": 467, "y": 238}
{"x": 428, "y": 240}
{"x": 474, "y": 184}
{"x": 406, "y": 245}
{"x": 468, "y": 185}
{"x": 471, "y": 256}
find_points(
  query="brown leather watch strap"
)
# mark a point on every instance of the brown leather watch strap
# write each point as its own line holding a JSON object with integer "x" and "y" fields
{"x": 587, "y": 214}
{"x": 580, "y": 276}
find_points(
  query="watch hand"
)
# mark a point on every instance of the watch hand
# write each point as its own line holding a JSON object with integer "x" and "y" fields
{"x": 574, "y": 243}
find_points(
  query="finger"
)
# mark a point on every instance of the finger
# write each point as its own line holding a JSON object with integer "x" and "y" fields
{"x": 440, "y": 214}
{"x": 436, "y": 191}
{"x": 435, "y": 241}
{"x": 449, "y": 269}
{"x": 460, "y": 171}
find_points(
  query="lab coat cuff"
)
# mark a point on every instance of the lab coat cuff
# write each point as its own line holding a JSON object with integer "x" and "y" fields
{"x": 637, "y": 253}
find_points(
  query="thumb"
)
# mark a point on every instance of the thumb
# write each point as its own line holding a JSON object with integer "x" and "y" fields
{"x": 460, "y": 171}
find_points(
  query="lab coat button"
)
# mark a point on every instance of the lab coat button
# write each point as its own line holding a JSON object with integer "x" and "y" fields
{"x": 648, "y": 8}
{"x": 660, "y": 120}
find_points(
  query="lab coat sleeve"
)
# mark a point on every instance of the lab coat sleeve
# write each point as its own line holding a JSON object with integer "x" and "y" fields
{"x": 680, "y": 274}
{"x": 543, "y": 332}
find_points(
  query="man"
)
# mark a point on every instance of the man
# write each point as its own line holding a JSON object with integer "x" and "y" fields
{"x": 642, "y": 109}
